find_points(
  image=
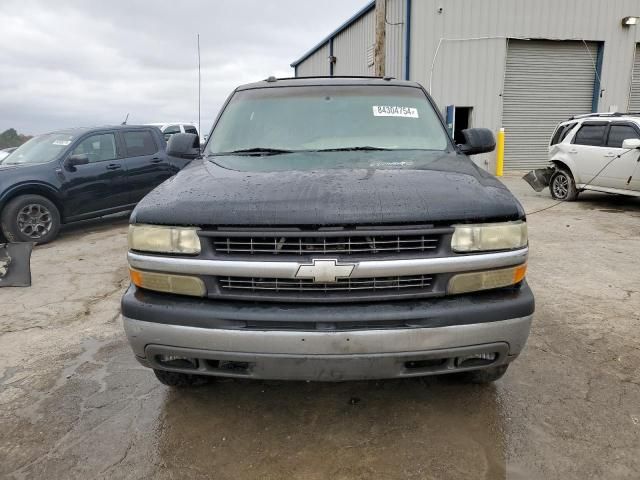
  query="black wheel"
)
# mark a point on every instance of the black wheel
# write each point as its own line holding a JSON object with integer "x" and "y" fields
{"x": 176, "y": 379}
{"x": 30, "y": 218}
{"x": 562, "y": 186}
{"x": 486, "y": 375}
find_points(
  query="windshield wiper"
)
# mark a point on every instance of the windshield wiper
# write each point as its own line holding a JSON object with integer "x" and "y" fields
{"x": 351, "y": 149}
{"x": 256, "y": 151}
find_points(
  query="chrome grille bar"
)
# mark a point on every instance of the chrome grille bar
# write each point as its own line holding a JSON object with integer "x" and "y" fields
{"x": 306, "y": 245}
{"x": 342, "y": 285}
{"x": 363, "y": 269}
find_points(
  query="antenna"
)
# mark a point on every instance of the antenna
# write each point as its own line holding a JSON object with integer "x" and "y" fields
{"x": 125, "y": 120}
{"x": 199, "y": 88}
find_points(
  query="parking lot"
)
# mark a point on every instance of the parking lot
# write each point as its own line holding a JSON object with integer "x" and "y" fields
{"x": 75, "y": 404}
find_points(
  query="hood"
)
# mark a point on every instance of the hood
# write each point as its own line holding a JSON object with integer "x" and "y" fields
{"x": 336, "y": 188}
{"x": 7, "y": 167}
{"x": 12, "y": 166}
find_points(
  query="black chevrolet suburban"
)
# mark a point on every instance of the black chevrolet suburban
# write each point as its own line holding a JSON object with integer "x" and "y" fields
{"x": 331, "y": 230}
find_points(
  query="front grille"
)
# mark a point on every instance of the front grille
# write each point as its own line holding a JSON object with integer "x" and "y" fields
{"x": 389, "y": 284}
{"x": 348, "y": 245}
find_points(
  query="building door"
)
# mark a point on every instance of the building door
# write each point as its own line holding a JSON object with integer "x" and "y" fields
{"x": 461, "y": 121}
{"x": 546, "y": 82}
{"x": 634, "y": 99}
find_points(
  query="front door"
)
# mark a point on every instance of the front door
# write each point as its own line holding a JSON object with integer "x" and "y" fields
{"x": 589, "y": 152}
{"x": 147, "y": 164}
{"x": 100, "y": 185}
{"x": 623, "y": 167}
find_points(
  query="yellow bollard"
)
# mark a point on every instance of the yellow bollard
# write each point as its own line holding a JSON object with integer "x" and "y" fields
{"x": 500, "y": 153}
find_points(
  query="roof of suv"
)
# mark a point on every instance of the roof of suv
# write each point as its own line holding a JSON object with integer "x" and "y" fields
{"x": 605, "y": 115}
{"x": 273, "y": 82}
{"x": 81, "y": 130}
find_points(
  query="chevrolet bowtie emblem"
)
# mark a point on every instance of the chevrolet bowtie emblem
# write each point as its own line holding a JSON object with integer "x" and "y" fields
{"x": 325, "y": 271}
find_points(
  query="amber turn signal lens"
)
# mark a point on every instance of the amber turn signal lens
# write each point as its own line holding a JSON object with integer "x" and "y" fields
{"x": 476, "y": 281}
{"x": 164, "y": 282}
{"x": 520, "y": 273}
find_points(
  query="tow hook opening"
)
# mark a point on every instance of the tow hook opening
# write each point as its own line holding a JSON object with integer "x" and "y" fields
{"x": 425, "y": 364}
{"x": 476, "y": 360}
{"x": 228, "y": 365}
{"x": 175, "y": 361}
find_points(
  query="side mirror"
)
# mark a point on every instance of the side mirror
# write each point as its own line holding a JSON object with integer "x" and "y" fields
{"x": 77, "y": 159}
{"x": 631, "y": 143}
{"x": 184, "y": 145}
{"x": 477, "y": 140}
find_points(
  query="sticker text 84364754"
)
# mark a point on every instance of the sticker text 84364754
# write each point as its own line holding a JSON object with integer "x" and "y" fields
{"x": 394, "y": 111}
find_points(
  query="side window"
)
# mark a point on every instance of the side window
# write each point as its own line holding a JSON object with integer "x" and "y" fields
{"x": 98, "y": 148}
{"x": 139, "y": 143}
{"x": 171, "y": 130}
{"x": 562, "y": 132}
{"x": 592, "y": 135}
{"x": 190, "y": 129}
{"x": 619, "y": 133}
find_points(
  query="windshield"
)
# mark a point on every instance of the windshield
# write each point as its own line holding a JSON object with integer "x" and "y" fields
{"x": 277, "y": 120}
{"x": 41, "y": 149}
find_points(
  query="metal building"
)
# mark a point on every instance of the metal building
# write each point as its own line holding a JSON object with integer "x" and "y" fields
{"x": 523, "y": 65}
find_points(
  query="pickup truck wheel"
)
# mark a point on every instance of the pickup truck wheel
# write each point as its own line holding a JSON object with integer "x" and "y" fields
{"x": 486, "y": 375}
{"x": 30, "y": 218}
{"x": 562, "y": 186}
{"x": 176, "y": 379}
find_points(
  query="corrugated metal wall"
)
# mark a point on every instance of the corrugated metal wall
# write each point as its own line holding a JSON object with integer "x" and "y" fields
{"x": 469, "y": 68}
{"x": 470, "y": 38}
{"x": 353, "y": 47}
{"x": 634, "y": 98}
{"x": 350, "y": 47}
{"x": 545, "y": 83}
{"x": 316, "y": 64}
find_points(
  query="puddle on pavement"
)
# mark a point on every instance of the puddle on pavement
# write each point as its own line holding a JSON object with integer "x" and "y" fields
{"x": 408, "y": 427}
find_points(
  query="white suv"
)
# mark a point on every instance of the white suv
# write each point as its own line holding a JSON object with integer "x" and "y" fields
{"x": 169, "y": 129}
{"x": 592, "y": 152}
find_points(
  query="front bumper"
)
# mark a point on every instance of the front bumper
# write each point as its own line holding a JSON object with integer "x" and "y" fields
{"x": 222, "y": 342}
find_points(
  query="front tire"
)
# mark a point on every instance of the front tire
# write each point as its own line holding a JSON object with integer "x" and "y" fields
{"x": 562, "y": 186}
{"x": 177, "y": 379}
{"x": 30, "y": 218}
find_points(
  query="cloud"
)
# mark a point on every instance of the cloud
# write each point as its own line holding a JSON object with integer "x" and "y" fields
{"x": 92, "y": 62}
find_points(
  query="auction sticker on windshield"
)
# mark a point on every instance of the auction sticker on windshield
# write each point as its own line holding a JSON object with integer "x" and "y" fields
{"x": 394, "y": 111}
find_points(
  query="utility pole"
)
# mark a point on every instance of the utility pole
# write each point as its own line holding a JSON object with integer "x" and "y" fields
{"x": 381, "y": 24}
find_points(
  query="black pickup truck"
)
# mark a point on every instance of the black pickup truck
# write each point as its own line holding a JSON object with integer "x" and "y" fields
{"x": 77, "y": 174}
{"x": 331, "y": 231}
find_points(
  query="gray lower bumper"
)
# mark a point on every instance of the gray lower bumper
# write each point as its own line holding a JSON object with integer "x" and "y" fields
{"x": 327, "y": 355}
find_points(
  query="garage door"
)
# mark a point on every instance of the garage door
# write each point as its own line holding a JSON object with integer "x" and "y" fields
{"x": 546, "y": 82}
{"x": 634, "y": 100}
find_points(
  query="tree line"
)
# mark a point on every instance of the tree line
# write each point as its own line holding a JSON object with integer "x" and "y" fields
{"x": 11, "y": 138}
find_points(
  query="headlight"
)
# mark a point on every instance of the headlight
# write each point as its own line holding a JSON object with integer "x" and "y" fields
{"x": 168, "y": 283}
{"x": 475, "y": 281}
{"x": 156, "y": 238}
{"x": 489, "y": 236}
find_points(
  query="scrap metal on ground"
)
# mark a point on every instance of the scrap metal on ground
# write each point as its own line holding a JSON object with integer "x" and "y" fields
{"x": 15, "y": 259}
